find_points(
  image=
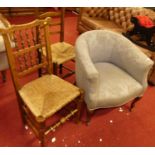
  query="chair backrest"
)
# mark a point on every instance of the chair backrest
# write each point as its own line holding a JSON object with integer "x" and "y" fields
{"x": 31, "y": 41}
{"x": 57, "y": 22}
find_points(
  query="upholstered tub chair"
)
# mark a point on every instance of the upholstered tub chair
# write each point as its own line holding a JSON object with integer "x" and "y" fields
{"x": 110, "y": 69}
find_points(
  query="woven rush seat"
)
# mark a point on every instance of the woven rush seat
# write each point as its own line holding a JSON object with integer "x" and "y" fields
{"x": 62, "y": 52}
{"x": 48, "y": 95}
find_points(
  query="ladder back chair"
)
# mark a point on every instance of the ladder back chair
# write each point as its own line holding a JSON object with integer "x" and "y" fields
{"x": 62, "y": 51}
{"x": 39, "y": 98}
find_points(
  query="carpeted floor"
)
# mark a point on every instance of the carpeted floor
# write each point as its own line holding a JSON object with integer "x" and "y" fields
{"x": 108, "y": 127}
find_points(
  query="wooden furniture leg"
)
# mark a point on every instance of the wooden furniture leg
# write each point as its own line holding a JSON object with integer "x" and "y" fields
{"x": 55, "y": 68}
{"x": 134, "y": 102}
{"x": 41, "y": 133}
{"x": 89, "y": 114}
{"x": 60, "y": 69}
{"x": 3, "y": 75}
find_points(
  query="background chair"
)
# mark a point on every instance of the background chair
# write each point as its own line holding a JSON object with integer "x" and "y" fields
{"x": 110, "y": 69}
{"x": 39, "y": 98}
{"x": 3, "y": 58}
{"x": 62, "y": 51}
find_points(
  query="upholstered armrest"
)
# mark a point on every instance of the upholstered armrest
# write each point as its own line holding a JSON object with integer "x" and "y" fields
{"x": 135, "y": 62}
{"x": 87, "y": 76}
{"x": 85, "y": 61}
{"x": 141, "y": 67}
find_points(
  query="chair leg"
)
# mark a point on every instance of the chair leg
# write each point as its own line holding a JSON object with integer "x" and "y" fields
{"x": 60, "y": 68}
{"x": 134, "y": 102}
{"x": 40, "y": 72}
{"x": 41, "y": 133}
{"x": 42, "y": 139}
{"x": 74, "y": 83}
{"x": 79, "y": 106}
{"x": 55, "y": 67}
{"x": 89, "y": 114}
{"x": 3, "y": 75}
{"x": 22, "y": 112}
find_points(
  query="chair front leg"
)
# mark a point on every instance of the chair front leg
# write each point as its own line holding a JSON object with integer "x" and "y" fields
{"x": 42, "y": 133}
{"x": 79, "y": 106}
{"x": 89, "y": 114}
{"x": 134, "y": 102}
{"x": 21, "y": 108}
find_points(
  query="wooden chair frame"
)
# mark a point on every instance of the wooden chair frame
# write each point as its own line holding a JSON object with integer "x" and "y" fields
{"x": 38, "y": 124}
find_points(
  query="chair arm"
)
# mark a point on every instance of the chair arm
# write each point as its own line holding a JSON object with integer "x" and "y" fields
{"x": 87, "y": 76}
{"x": 84, "y": 60}
{"x": 136, "y": 63}
{"x": 141, "y": 68}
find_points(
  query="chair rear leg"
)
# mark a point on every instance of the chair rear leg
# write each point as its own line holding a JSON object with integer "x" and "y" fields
{"x": 55, "y": 67}
{"x": 134, "y": 102}
{"x": 3, "y": 75}
{"x": 60, "y": 68}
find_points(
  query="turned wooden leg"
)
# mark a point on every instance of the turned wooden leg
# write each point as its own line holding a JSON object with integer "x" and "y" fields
{"x": 134, "y": 102}
{"x": 3, "y": 75}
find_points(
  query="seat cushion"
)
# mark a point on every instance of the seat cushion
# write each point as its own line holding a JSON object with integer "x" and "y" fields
{"x": 116, "y": 87}
{"x": 48, "y": 94}
{"x": 62, "y": 52}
